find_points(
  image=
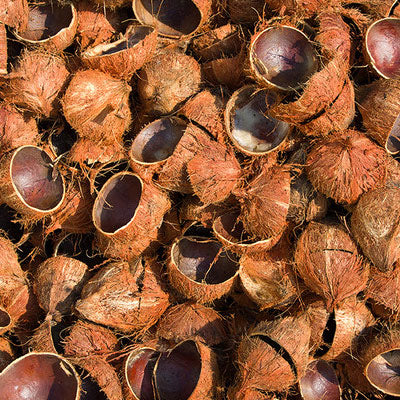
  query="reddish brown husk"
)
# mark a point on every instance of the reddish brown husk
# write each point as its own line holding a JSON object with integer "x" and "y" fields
{"x": 324, "y": 87}
{"x": 375, "y": 226}
{"x": 36, "y": 83}
{"x": 14, "y": 13}
{"x": 192, "y": 321}
{"x": 111, "y": 3}
{"x": 16, "y": 129}
{"x": 189, "y": 16}
{"x": 3, "y": 49}
{"x": 245, "y": 11}
{"x": 57, "y": 284}
{"x": 265, "y": 202}
{"x": 214, "y": 173}
{"x": 345, "y": 166}
{"x": 267, "y": 278}
{"x": 351, "y": 317}
{"x": 328, "y": 261}
{"x": 97, "y": 106}
{"x": 40, "y": 375}
{"x": 6, "y": 353}
{"x": 262, "y": 367}
{"x": 200, "y": 269}
{"x": 48, "y": 28}
{"x": 42, "y": 337}
{"x": 381, "y": 97}
{"x": 88, "y": 346}
{"x": 121, "y": 59}
{"x": 33, "y": 199}
{"x": 167, "y": 81}
{"x": 133, "y": 224}
{"x": 135, "y": 306}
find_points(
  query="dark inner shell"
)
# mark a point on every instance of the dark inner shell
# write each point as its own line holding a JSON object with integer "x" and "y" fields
{"x": 157, "y": 141}
{"x": 383, "y": 45}
{"x": 46, "y": 21}
{"x": 231, "y": 228}
{"x": 117, "y": 203}
{"x": 393, "y": 140}
{"x": 5, "y": 319}
{"x": 284, "y": 56}
{"x": 320, "y": 382}
{"x": 139, "y": 370}
{"x": 172, "y": 17}
{"x": 252, "y": 128}
{"x": 37, "y": 181}
{"x": 178, "y": 372}
{"x": 204, "y": 261}
{"x": 384, "y": 372}
{"x": 38, "y": 376}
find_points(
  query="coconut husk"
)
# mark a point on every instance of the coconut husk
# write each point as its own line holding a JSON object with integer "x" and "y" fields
{"x": 167, "y": 81}
{"x": 268, "y": 279}
{"x": 128, "y": 233}
{"x": 53, "y": 28}
{"x": 214, "y": 173}
{"x": 97, "y": 106}
{"x": 349, "y": 319}
{"x": 122, "y": 58}
{"x": 42, "y": 338}
{"x": 192, "y": 321}
{"x": 3, "y": 50}
{"x": 111, "y": 4}
{"x": 126, "y": 300}
{"x": 34, "y": 198}
{"x": 200, "y": 269}
{"x": 381, "y": 98}
{"x": 174, "y": 20}
{"x": 16, "y": 129}
{"x": 265, "y": 202}
{"x": 346, "y": 165}
{"x": 375, "y": 226}
{"x": 36, "y": 83}
{"x": 14, "y": 13}
{"x": 246, "y": 12}
{"x": 57, "y": 284}
{"x": 328, "y": 261}
{"x": 6, "y": 353}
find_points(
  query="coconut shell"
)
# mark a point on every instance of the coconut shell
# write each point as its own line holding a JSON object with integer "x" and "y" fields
{"x": 137, "y": 304}
{"x": 36, "y": 83}
{"x": 375, "y": 226}
{"x": 381, "y": 98}
{"x": 6, "y": 353}
{"x": 14, "y": 13}
{"x": 214, "y": 173}
{"x": 122, "y": 58}
{"x": 192, "y": 321}
{"x": 3, "y": 50}
{"x": 53, "y": 28}
{"x": 167, "y": 81}
{"x": 346, "y": 166}
{"x": 244, "y": 11}
{"x": 172, "y": 19}
{"x": 127, "y": 233}
{"x": 111, "y": 4}
{"x": 16, "y": 129}
{"x": 57, "y": 284}
{"x": 20, "y": 168}
{"x": 200, "y": 269}
{"x": 42, "y": 338}
{"x": 267, "y": 278}
{"x": 328, "y": 261}
{"x": 265, "y": 202}
{"x": 97, "y": 106}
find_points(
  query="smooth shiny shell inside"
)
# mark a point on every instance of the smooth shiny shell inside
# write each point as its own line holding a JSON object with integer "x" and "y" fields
{"x": 157, "y": 141}
{"x": 383, "y": 372}
{"x": 170, "y": 17}
{"x": 36, "y": 180}
{"x": 383, "y": 46}
{"x": 178, "y": 372}
{"x": 46, "y": 21}
{"x": 393, "y": 140}
{"x": 139, "y": 373}
{"x": 319, "y": 382}
{"x": 116, "y": 203}
{"x": 283, "y": 56}
{"x": 38, "y": 376}
{"x": 251, "y": 127}
{"x": 203, "y": 261}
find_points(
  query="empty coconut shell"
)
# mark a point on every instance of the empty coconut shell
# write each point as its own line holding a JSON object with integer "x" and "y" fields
{"x": 14, "y": 13}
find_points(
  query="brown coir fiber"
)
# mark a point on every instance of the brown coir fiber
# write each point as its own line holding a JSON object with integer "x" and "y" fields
{"x": 3, "y": 49}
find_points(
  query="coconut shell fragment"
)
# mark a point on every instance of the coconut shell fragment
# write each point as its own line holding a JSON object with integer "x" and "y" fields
{"x": 3, "y": 49}
{"x": 14, "y": 13}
